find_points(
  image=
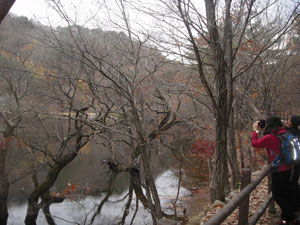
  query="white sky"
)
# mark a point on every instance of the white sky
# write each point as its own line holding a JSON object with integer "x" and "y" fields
{"x": 35, "y": 9}
{"x": 29, "y": 8}
{"x": 39, "y": 10}
{"x": 90, "y": 13}
{"x": 80, "y": 11}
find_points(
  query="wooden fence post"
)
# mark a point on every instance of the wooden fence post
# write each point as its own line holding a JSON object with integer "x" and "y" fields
{"x": 244, "y": 206}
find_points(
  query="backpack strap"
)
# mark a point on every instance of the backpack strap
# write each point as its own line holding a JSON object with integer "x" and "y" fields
{"x": 272, "y": 152}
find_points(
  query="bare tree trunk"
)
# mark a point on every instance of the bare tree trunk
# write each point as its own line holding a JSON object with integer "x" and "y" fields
{"x": 4, "y": 184}
{"x": 135, "y": 182}
{"x": 127, "y": 206}
{"x": 223, "y": 102}
{"x": 137, "y": 187}
{"x": 5, "y": 6}
{"x": 47, "y": 213}
{"x": 47, "y": 200}
{"x": 33, "y": 208}
{"x": 32, "y": 211}
{"x": 242, "y": 158}
{"x": 109, "y": 192}
{"x": 232, "y": 154}
{"x": 210, "y": 169}
{"x": 4, "y": 187}
{"x": 150, "y": 192}
{"x": 220, "y": 171}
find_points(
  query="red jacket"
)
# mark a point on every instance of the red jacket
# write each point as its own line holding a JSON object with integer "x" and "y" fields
{"x": 272, "y": 145}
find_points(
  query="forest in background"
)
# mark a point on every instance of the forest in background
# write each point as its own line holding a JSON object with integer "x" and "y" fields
{"x": 127, "y": 99}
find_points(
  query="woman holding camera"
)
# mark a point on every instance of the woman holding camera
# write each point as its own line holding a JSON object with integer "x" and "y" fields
{"x": 281, "y": 184}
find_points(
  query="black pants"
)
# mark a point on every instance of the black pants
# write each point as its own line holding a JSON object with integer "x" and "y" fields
{"x": 296, "y": 188}
{"x": 282, "y": 189}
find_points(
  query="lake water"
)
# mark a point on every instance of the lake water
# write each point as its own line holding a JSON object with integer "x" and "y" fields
{"x": 72, "y": 212}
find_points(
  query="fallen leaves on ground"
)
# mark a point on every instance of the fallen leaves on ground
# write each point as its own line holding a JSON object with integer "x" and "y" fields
{"x": 257, "y": 197}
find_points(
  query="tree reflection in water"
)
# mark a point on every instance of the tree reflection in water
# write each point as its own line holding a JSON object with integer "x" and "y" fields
{"x": 112, "y": 212}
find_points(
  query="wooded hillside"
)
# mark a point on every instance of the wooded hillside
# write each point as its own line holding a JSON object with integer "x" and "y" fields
{"x": 138, "y": 103}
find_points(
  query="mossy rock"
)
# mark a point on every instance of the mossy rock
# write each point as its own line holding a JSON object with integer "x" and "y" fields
{"x": 196, "y": 219}
{"x": 217, "y": 203}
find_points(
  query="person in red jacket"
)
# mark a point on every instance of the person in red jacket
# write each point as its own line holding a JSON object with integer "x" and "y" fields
{"x": 281, "y": 173}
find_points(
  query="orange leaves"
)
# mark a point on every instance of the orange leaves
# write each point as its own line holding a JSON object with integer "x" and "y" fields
{"x": 250, "y": 46}
{"x": 5, "y": 141}
{"x": 254, "y": 95}
{"x": 201, "y": 42}
{"x": 72, "y": 191}
{"x": 218, "y": 206}
{"x": 87, "y": 190}
{"x": 256, "y": 198}
{"x": 72, "y": 188}
{"x": 19, "y": 142}
{"x": 202, "y": 149}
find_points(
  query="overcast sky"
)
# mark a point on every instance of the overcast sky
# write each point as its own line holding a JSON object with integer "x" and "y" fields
{"x": 40, "y": 10}
{"x": 37, "y": 10}
{"x": 28, "y": 8}
{"x": 79, "y": 9}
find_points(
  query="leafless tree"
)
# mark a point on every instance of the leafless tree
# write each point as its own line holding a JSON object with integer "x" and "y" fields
{"x": 14, "y": 99}
{"x": 214, "y": 34}
{"x": 124, "y": 73}
{"x": 65, "y": 126}
{"x": 262, "y": 91}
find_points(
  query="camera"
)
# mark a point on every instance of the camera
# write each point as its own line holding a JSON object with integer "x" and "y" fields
{"x": 261, "y": 124}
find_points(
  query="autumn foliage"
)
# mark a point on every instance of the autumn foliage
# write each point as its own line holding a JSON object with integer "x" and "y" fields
{"x": 72, "y": 190}
{"x": 202, "y": 149}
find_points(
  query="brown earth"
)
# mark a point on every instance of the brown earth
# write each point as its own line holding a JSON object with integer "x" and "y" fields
{"x": 199, "y": 200}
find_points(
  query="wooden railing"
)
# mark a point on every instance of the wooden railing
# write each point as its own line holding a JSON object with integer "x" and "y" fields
{"x": 242, "y": 201}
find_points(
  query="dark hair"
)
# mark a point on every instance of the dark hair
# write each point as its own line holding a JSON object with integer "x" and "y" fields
{"x": 295, "y": 121}
{"x": 273, "y": 123}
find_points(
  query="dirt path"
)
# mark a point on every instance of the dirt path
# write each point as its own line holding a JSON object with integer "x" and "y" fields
{"x": 199, "y": 200}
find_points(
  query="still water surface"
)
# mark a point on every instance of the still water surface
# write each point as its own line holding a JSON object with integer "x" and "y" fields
{"x": 80, "y": 212}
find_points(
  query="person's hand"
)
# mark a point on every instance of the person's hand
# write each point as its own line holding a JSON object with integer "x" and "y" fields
{"x": 255, "y": 125}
